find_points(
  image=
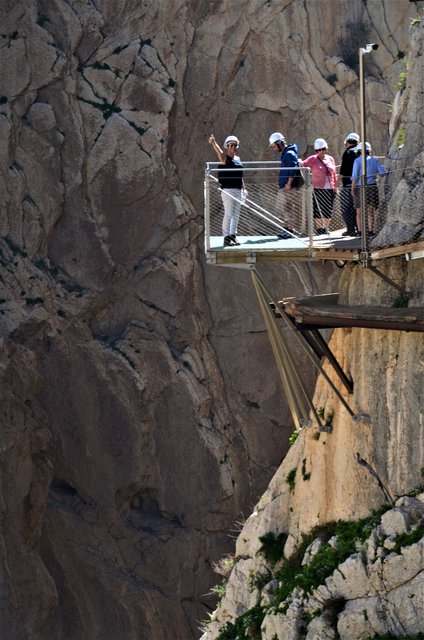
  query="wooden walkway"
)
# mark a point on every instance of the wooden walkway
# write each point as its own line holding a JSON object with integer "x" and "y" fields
{"x": 323, "y": 312}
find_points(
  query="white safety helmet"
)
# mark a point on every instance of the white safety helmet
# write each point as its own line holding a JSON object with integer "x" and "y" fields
{"x": 352, "y": 137}
{"x": 229, "y": 139}
{"x": 359, "y": 147}
{"x": 320, "y": 143}
{"x": 276, "y": 137}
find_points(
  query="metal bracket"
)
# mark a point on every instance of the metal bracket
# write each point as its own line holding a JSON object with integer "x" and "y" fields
{"x": 321, "y": 348}
{"x": 364, "y": 258}
{"x": 388, "y": 280}
{"x": 251, "y": 258}
{"x": 414, "y": 255}
{"x": 362, "y": 417}
{"x": 303, "y": 343}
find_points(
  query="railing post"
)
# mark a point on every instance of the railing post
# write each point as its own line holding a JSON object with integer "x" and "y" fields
{"x": 207, "y": 212}
{"x": 363, "y": 203}
{"x": 307, "y": 176}
{"x": 362, "y": 196}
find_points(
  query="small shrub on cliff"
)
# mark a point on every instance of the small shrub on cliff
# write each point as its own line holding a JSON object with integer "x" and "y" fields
{"x": 292, "y": 574}
{"x": 294, "y": 436}
{"x": 406, "y": 539}
{"x": 291, "y": 479}
{"x": 415, "y": 491}
{"x": 401, "y": 301}
{"x": 259, "y": 580}
{"x": 219, "y": 591}
{"x": 246, "y": 627}
{"x": 272, "y": 548}
{"x": 224, "y": 566}
{"x": 403, "y": 75}
{"x": 305, "y": 475}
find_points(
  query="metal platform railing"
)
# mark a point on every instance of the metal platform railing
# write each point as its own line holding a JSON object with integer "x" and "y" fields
{"x": 300, "y": 219}
{"x": 265, "y": 214}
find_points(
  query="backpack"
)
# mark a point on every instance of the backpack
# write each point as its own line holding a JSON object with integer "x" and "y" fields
{"x": 298, "y": 180}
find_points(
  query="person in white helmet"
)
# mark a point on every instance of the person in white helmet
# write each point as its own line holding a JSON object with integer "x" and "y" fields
{"x": 286, "y": 198}
{"x": 373, "y": 169}
{"x": 231, "y": 183}
{"x": 324, "y": 179}
{"x": 345, "y": 182}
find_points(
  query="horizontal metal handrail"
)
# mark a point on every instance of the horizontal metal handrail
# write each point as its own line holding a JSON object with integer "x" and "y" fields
{"x": 213, "y": 167}
{"x": 275, "y": 165}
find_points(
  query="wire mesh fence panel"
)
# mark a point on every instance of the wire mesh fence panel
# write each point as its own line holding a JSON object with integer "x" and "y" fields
{"x": 379, "y": 197}
{"x": 281, "y": 211}
{"x": 320, "y": 218}
{"x": 262, "y": 209}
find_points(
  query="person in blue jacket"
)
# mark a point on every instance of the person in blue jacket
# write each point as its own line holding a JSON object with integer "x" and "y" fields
{"x": 286, "y": 198}
{"x": 374, "y": 168}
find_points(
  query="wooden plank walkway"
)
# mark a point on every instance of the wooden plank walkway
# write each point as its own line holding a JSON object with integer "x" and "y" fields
{"x": 323, "y": 312}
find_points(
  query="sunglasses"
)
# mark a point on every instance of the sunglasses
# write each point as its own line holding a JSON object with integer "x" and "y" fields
{"x": 232, "y": 144}
{"x": 323, "y": 149}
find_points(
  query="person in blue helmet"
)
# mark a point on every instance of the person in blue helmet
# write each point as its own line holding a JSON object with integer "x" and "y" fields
{"x": 286, "y": 197}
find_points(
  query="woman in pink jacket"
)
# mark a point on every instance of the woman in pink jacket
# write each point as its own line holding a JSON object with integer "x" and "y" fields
{"x": 324, "y": 179}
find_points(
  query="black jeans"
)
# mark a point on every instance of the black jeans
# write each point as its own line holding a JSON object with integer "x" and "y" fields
{"x": 348, "y": 210}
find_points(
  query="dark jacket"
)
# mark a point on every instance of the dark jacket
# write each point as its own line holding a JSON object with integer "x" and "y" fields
{"x": 348, "y": 158}
{"x": 289, "y": 158}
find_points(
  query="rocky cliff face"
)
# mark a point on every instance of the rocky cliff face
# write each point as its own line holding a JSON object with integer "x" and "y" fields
{"x": 348, "y": 580}
{"x": 142, "y": 415}
{"x": 350, "y": 467}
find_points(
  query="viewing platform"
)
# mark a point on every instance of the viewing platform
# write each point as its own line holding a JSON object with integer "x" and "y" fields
{"x": 276, "y": 227}
{"x": 268, "y": 234}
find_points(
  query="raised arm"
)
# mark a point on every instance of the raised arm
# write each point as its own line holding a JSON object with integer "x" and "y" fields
{"x": 219, "y": 152}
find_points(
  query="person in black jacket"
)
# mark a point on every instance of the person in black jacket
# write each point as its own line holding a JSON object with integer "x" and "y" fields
{"x": 231, "y": 183}
{"x": 345, "y": 182}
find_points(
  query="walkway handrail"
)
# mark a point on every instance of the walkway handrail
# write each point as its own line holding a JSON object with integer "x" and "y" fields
{"x": 259, "y": 215}
{"x": 273, "y": 219}
{"x": 252, "y": 166}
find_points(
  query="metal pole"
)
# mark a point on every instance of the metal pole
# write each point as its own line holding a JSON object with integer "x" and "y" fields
{"x": 308, "y": 194}
{"x": 308, "y": 351}
{"x": 298, "y": 399}
{"x": 363, "y": 216}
